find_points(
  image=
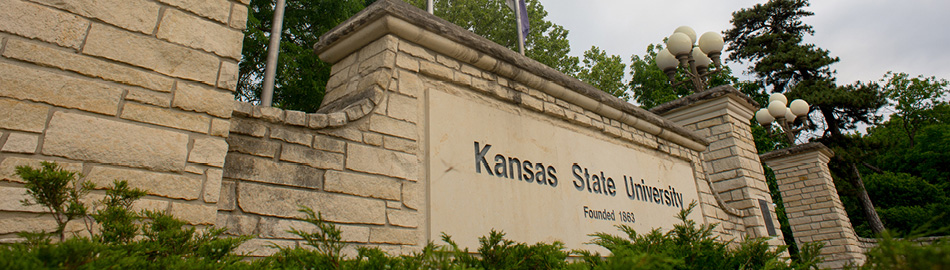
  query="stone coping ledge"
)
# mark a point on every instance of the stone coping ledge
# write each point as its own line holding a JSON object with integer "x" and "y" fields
{"x": 711, "y": 93}
{"x": 410, "y": 23}
{"x": 802, "y": 148}
{"x": 350, "y": 113}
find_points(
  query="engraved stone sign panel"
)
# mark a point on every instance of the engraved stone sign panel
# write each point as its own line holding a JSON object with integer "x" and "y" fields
{"x": 495, "y": 166}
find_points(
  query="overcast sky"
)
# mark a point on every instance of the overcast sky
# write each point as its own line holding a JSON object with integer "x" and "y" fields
{"x": 870, "y": 36}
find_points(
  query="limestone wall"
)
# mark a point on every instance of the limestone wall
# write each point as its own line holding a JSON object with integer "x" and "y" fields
{"x": 118, "y": 89}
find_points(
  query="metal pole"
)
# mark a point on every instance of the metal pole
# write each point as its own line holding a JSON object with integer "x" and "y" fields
{"x": 267, "y": 96}
{"x": 429, "y": 7}
{"x": 520, "y": 33}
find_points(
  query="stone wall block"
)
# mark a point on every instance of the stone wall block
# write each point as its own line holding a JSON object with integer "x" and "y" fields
{"x": 166, "y": 117}
{"x": 278, "y": 228}
{"x": 383, "y": 162}
{"x": 312, "y": 157}
{"x": 135, "y": 15}
{"x": 391, "y": 235}
{"x": 407, "y": 62}
{"x": 21, "y": 143}
{"x": 384, "y": 59}
{"x": 317, "y": 120}
{"x": 394, "y": 127}
{"x": 403, "y": 108}
{"x": 142, "y": 51}
{"x": 238, "y": 17}
{"x": 362, "y": 185}
{"x": 249, "y": 168}
{"x": 387, "y": 43}
{"x": 410, "y": 84}
{"x": 47, "y": 24}
{"x": 66, "y": 91}
{"x": 212, "y": 186}
{"x": 415, "y": 50}
{"x": 257, "y": 198}
{"x": 238, "y": 224}
{"x": 228, "y": 75}
{"x": 149, "y": 97}
{"x": 218, "y": 10}
{"x": 82, "y": 137}
{"x": 160, "y": 184}
{"x": 403, "y": 218}
{"x": 24, "y": 116}
{"x": 328, "y": 144}
{"x": 295, "y": 118}
{"x": 291, "y": 136}
{"x": 180, "y": 28}
{"x": 348, "y": 133}
{"x": 12, "y": 201}
{"x": 194, "y": 213}
{"x": 248, "y": 127}
{"x": 220, "y": 127}
{"x": 336, "y": 119}
{"x": 193, "y": 97}
{"x": 9, "y": 164}
{"x": 436, "y": 71}
{"x": 89, "y": 66}
{"x": 209, "y": 151}
{"x": 270, "y": 114}
{"x": 401, "y": 145}
{"x": 226, "y": 199}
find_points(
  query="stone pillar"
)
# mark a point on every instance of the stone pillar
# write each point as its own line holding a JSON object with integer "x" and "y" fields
{"x": 722, "y": 116}
{"x": 812, "y": 204}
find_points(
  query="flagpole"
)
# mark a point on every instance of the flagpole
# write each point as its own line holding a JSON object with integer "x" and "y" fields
{"x": 267, "y": 95}
{"x": 520, "y": 32}
{"x": 429, "y": 7}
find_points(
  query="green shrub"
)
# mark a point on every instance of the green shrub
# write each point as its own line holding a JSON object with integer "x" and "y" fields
{"x": 898, "y": 254}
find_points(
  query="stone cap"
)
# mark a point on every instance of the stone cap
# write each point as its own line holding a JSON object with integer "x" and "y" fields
{"x": 715, "y": 92}
{"x": 408, "y": 22}
{"x": 802, "y": 148}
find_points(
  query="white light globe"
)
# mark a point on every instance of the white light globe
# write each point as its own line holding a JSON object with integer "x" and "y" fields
{"x": 711, "y": 42}
{"x": 779, "y": 97}
{"x": 799, "y": 107}
{"x": 701, "y": 60}
{"x": 777, "y": 109}
{"x": 763, "y": 117}
{"x": 688, "y": 31}
{"x": 679, "y": 44}
{"x": 789, "y": 116}
{"x": 665, "y": 60}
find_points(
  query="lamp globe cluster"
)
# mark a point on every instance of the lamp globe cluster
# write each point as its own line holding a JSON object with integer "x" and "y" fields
{"x": 777, "y": 110}
{"x": 681, "y": 48}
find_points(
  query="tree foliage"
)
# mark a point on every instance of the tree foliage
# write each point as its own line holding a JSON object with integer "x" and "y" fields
{"x": 605, "y": 72}
{"x": 651, "y": 87}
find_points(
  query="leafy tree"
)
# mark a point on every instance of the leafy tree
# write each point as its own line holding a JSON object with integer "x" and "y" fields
{"x": 770, "y": 37}
{"x": 604, "y": 72}
{"x": 914, "y": 99}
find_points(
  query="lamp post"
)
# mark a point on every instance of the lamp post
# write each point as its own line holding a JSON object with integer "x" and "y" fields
{"x": 681, "y": 51}
{"x": 787, "y": 117}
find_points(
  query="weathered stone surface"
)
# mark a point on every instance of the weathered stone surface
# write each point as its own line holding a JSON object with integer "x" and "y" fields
{"x": 336, "y": 119}
{"x": 208, "y": 151}
{"x": 403, "y": 108}
{"x": 258, "y": 199}
{"x": 226, "y": 201}
{"x": 89, "y": 66}
{"x": 278, "y": 228}
{"x": 12, "y": 201}
{"x": 271, "y": 114}
{"x": 393, "y": 205}
{"x": 373, "y": 139}
{"x": 228, "y": 75}
{"x": 384, "y": 59}
{"x": 349, "y": 133}
{"x": 362, "y": 185}
{"x": 415, "y": 50}
{"x": 166, "y": 117}
{"x": 193, "y": 97}
{"x": 267, "y": 171}
{"x": 413, "y": 195}
{"x": 195, "y": 213}
{"x": 407, "y": 62}
{"x": 390, "y": 235}
{"x": 26, "y": 224}
{"x": 217, "y": 10}
{"x": 82, "y": 137}
{"x": 212, "y": 187}
{"x": 252, "y": 146}
{"x": 162, "y": 57}
{"x": 384, "y": 162}
{"x": 192, "y": 168}
{"x": 9, "y": 164}
{"x": 292, "y": 137}
{"x": 47, "y": 24}
{"x": 135, "y": 15}
{"x": 247, "y": 126}
{"x": 21, "y": 83}
{"x": 401, "y": 145}
{"x": 295, "y": 118}
{"x": 25, "y": 116}
{"x": 404, "y": 218}
{"x": 238, "y": 17}
{"x": 328, "y": 144}
{"x": 312, "y": 157}
{"x": 220, "y": 127}
{"x": 436, "y": 71}
{"x": 393, "y": 127}
{"x": 21, "y": 143}
{"x": 258, "y": 247}
{"x": 317, "y": 120}
{"x": 149, "y": 97}
{"x": 160, "y": 184}
{"x": 410, "y": 84}
{"x": 238, "y": 224}
{"x": 181, "y": 28}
